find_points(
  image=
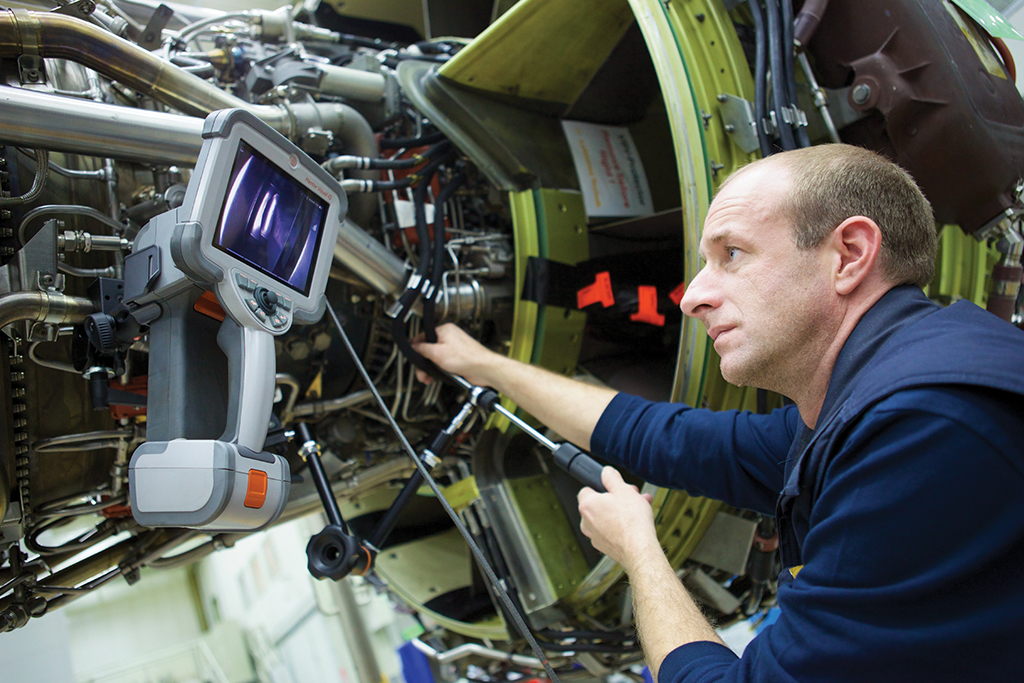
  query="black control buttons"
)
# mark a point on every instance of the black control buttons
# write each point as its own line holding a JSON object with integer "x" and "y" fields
{"x": 268, "y": 307}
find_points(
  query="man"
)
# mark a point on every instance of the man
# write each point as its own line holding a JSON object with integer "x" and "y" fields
{"x": 897, "y": 479}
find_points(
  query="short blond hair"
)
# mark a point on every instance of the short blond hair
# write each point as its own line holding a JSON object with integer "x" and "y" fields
{"x": 831, "y": 183}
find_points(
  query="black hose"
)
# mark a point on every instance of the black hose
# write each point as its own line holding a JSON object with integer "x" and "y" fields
{"x": 609, "y": 636}
{"x": 419, "y": 197}
{"x": 401, "y": 339}
{"x": 775, "y": 58}
{"x": 430, "y": 303}
{"x": 396, "y": 143}
{"x": 802, "y": 139}
{"x": 760, "y": 77}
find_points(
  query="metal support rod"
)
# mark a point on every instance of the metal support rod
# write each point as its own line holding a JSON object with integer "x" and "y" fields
{"x": 310, "y": 452}
{"x": 387, "y": 524}
{"x": 515, "y": 419}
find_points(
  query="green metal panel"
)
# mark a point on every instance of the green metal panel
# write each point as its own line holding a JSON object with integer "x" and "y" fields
{"x": 562, "y": 230}
{"x": 556, "y": 544}
{"x": 546, "y": 50}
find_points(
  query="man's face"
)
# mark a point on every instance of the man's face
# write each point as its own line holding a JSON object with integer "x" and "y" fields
{"x": 766, "y": 304}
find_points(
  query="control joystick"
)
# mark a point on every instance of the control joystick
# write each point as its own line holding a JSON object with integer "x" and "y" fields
{"x": 267, "y": 299}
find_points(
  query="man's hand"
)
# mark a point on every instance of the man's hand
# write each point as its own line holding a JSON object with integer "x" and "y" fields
{"x": 619, "y": 523}
{"x": 459, "y": 354}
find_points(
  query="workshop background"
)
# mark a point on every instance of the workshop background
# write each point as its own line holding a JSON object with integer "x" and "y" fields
{"x": 253, "y": 612}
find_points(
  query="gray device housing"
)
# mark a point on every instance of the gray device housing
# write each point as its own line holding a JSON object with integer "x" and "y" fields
{"x": 210, "y": 389}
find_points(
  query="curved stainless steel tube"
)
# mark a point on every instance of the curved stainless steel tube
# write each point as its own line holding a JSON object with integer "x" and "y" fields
{"x": 468, "y": 649}
{"x": 63, "y": 37}
{"x": 48, "y": 307}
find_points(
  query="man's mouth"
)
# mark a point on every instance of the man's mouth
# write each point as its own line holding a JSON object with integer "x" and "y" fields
{"x": 719, "y": 330}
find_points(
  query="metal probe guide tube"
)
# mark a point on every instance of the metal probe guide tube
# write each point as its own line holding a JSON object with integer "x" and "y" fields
{"x": 567, "y": 456}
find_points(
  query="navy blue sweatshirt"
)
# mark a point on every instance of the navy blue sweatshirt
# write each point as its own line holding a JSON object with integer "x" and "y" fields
{"x": 903, "y": 512}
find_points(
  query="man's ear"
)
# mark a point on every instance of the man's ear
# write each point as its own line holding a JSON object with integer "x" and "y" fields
{"x": 857, "y": 242}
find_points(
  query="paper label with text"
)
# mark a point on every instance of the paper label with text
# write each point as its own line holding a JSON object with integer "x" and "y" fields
{"x": 611, "y": 174}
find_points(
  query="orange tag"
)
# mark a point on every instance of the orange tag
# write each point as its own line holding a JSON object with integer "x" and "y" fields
{"x": 648, "y": 307}
{"x": 256, "y": 492}
{"x": 208, "y": 305}
{"x": 598, "y": 293}
{"x": 676, "y": 295}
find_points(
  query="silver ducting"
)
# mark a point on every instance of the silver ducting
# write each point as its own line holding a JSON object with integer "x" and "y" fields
{"x": 369, "y": 259}
{"x": 44, "y": 307}
{"x": 353, "y": 83}
{"x": 63, "y": 124}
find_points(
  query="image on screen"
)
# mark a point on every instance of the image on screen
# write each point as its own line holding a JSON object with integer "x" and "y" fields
{"x": 270, "y": 221}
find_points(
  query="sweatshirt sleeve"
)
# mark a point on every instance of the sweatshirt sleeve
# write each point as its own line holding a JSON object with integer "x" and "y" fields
{"x": 907, "y": 563}
{"x": 737, "y": 457}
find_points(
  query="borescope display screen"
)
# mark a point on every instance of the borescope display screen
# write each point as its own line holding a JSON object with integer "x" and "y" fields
{"x": 270, "y": 221}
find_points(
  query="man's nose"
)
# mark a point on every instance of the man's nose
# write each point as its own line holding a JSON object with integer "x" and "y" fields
{"x": 698, "y": 297}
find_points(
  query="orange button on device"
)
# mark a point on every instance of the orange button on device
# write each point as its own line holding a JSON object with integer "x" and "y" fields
{"x": 256, "y": 493}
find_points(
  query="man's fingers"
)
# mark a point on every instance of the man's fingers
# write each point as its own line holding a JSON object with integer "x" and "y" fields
{"x": 611, "y": 478}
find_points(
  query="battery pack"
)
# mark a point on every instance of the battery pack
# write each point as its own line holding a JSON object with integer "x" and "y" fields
{"x": 207, "y": 484}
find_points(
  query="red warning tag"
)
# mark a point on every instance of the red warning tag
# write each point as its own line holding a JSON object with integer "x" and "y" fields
{"x": 599, "y": 292}
{"x": 648, "y": 307}
{"x": 676, "y": 295}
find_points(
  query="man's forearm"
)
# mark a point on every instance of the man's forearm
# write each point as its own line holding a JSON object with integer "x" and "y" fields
{"x": 666, "y": 615}
{"x": 570, "y": 407}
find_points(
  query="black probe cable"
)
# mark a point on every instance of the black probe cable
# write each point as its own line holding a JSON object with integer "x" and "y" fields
{"x": 788, "y": 62}
{"x": 780, "y": 92}
{"x": 437, "y": 265}
{"x": 760, "y": 77}
{"x": 499, "y": 587}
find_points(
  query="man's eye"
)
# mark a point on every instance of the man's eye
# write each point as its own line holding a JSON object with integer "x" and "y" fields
{"x": 732, "y": 252}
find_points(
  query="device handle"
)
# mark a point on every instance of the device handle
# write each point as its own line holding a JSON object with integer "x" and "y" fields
{"x": 580, "y": 465}
{"x": 251, "y": 380}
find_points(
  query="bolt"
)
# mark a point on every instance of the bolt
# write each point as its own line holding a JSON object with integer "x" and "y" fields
{"x": 729, "y": 128}
{"x": 861, "y": 93}
{"x": 47, "y": 279}
{"x": 700, "y": 18}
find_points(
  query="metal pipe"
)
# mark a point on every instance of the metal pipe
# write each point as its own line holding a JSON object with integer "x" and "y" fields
{"x": 820, "y": 98}
{"x": 369, "y": 259}
{"x": 63, "y": 37}
{"x": 352, "y": 83}
{"x": 330, "y": 405}
{"x": 807, "y": 20}
{"x": 46, "y": 307}
{"x": 469, "y": 649}
{"x": 59, "y": 36}
{"x": 76, "y": 126}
